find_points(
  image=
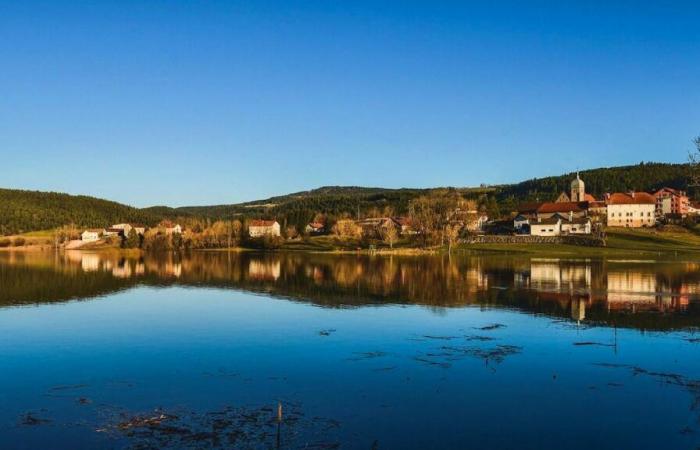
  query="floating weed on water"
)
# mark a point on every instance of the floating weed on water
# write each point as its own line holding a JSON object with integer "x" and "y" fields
{"x": 496, "y": 354}
{"x": 674, "y": 379}
{"x": 571, "y": 325}
{"x": 31, "y": 419}
{"x": 590, "y": 343}
{"x": 385, "y": 369}
{"x": 441, "y": 338}
{"x": 367, "y": 355}
{"x": 426, "y": 360}
{"x": 68, "y": 387}
{"x": 83, "y": 401}
{"x": 222, "y": 372}
{"x": 493, "y": 326}
{"x": 231, "y": 428}
{"x": 327, "y": 332}
{"x": 479, "y": 338}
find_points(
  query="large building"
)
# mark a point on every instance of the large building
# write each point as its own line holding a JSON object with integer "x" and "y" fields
{"x": 261, "y": 228}
{"x": 632, "y": 210}
{"x": 671, "y": 202}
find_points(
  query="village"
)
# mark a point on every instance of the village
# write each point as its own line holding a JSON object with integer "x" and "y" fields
{"x": 573, "y": 213}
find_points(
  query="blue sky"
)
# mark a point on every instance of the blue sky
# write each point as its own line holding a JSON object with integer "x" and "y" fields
{"x": 184, "y": 103}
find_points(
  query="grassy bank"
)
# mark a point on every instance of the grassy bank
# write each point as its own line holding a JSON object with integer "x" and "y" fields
{"x": 620, "y": 243}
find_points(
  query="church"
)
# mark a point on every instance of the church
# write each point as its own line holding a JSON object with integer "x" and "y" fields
{"x": 578, "y": 193}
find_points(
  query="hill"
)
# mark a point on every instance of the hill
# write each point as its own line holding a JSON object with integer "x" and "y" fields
{"x": 23, "y": 211}
{"x": 641, "y": 177}
{"x": 300, "y": 207}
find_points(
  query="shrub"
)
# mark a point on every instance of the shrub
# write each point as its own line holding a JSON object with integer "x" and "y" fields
{"x": 19, "y": 242}
{"x": 5, "y": 242}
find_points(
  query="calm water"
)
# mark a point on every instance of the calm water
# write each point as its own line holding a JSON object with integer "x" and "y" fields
{"x": 495, "y": 352}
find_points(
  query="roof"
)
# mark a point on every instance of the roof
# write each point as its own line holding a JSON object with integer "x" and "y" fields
{"x": 668, "y": 190}
{"x": 316, "y": 225}
{"x": 634, "y": 198}
{"x": 114, "y": 230}
{"x": 262, "y": 223}
{"x": 93, "y": 230}
{"x": 588, "y": 198}
{"x": 564, "y": 207}
{"x": 550, "y": 221}
{"x": 577, "y": 221}
{"x": 529, "y": 207}
{"x": 520, "y": 218}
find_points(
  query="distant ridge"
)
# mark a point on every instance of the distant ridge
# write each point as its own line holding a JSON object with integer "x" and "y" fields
{"x": 23, "y": 211}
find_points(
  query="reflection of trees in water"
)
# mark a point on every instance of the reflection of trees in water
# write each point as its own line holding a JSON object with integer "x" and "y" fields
{"x": 580, "y": 289}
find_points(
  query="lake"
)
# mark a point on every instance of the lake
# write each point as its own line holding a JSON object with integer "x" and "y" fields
{"x": 291, "y": 350}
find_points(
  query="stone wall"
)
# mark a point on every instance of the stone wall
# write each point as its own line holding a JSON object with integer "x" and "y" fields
{"x": 586, "y": 241}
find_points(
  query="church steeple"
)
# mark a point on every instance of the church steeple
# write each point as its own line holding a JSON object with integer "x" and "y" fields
{"x": 578, "y": 189}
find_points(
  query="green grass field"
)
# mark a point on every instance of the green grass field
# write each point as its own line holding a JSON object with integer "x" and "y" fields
{"x": 620, "y": 243}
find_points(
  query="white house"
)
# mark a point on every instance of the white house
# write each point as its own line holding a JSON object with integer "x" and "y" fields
{"x": 550, "y": 226}
{"x": 632, "y": 210}
{"x": 113, "y": 232}
{"x": 260, "y": 228}
{"x": 576, "y": 226}
{"x": 91, "y": 235}
{"x": 170, "y": 228}
{"x": 520, "y": 221}
{"x": 315, "y": 228}
{"x": 127, "y": 227}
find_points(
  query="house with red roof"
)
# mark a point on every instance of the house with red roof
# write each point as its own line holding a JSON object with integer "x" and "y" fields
{"x": 262, "y": 228}
{"x": 315, "y": 228}
{"x": 671, "y": 201}
{"x": 631, "y": 210}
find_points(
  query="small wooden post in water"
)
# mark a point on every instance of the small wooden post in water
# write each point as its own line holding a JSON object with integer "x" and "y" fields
{"x": 279, "y": 422}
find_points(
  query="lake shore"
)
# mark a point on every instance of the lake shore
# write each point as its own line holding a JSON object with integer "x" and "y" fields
{"x": 643, "y": 243}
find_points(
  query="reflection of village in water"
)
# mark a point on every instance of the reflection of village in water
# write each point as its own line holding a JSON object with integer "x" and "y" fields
{"x": 566, "y": 288}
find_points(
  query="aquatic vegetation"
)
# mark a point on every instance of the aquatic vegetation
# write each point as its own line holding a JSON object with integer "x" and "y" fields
{"x": 367, "y": 355}
{"x": 590, "y": 343}
{"x": 327, "y": 332}
{"x": 493, "y": 326}
{"x": 31, "y": 419}
{"x": 231, "y": 428}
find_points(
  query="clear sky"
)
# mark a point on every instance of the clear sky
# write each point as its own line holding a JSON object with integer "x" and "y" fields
{"x": 188, "y": 102}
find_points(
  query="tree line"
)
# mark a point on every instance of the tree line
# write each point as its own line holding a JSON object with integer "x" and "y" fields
{"x": 23, "y": 211}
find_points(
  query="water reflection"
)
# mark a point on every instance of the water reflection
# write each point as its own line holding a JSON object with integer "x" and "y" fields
{"x": 641, "y": 294}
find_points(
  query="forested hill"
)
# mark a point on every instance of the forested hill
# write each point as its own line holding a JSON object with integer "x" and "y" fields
{"x": 22, "y": 211}
{"x": 641, "y": 177}
{"x": 335, "y": 200}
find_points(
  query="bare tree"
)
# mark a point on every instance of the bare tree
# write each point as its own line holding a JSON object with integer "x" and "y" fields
{"x": 432, "y": 213}
{"x": 694, "y": 159}
{"x": 389, "y": 233}
{"x": 451, "y": 234}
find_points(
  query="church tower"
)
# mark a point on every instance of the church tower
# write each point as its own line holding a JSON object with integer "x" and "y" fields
{"x": 578, "y": 189}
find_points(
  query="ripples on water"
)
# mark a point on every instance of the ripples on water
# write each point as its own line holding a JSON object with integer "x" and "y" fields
{"x": 227, "y": 350}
